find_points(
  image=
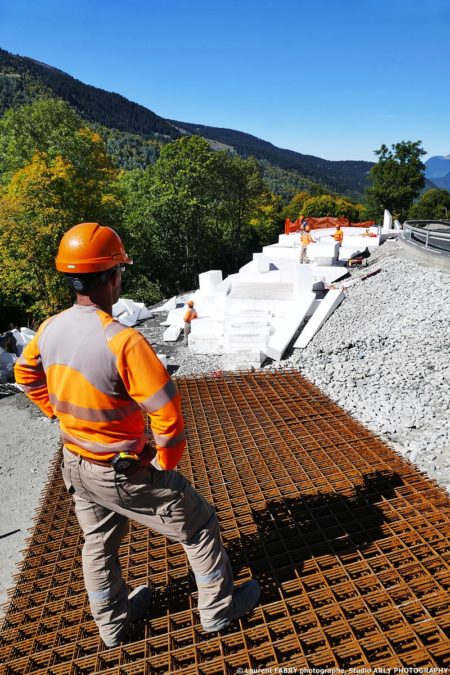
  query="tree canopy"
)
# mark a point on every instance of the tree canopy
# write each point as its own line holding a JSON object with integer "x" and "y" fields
{"x": 434, "y": 203}
{"x": 396, "y": 179}
{"x": 55, "y": 173}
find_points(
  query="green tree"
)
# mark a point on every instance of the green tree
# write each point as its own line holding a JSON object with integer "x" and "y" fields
{"x": 49, "y": 183}
{"x": 396, "y": 179}
{"x": 194, "y": 210}
{"x": 328, "y": 205}
{"x": 295, "y": 207}
{"x": 434, "y": 203}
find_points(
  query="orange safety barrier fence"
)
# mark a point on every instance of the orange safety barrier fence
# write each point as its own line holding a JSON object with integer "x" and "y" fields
{"x": 322, "y": 223}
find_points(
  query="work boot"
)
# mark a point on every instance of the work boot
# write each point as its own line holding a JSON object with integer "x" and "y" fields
{"x": 139, "y": 602}
{"x": 245, "y": 597}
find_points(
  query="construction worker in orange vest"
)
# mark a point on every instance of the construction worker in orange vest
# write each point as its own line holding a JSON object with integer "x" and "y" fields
{"x": 189, "y": 316}
{"x": 338, "y": 235}
{"x": 101, "y": 379}
{"x": 305, "y": 241}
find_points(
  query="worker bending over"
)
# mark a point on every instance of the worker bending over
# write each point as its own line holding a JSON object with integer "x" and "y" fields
{"x": 189, "y": 316}
{"x": 305, "y": 241}
{"x": 100, "y": 379}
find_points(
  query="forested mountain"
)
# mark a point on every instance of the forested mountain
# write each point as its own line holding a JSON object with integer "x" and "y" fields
{"x": 345, "y": 177}
{"x": 22, "y": 80}
{"x": 134, "y": 133}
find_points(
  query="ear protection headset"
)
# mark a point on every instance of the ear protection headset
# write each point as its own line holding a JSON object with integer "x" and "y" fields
{"x": 87, "y": 282}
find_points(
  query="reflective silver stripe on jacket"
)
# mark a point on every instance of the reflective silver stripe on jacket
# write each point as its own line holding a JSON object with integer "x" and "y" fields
{"x": 36, "y": 385}
{"x": 93, "y": 414}
{"x": 131, "y": 445}
{"x": 165, "y": 442}
{"x": 160, "y": 398}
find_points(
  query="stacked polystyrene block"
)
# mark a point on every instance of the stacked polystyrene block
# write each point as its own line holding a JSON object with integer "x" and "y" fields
{"x": 286, "y": 329}
{"x": 325, "y": 309}
{"x": 129, "y": 312}
{"x": 208, "y": 281}
{"x": 171, "y": 334}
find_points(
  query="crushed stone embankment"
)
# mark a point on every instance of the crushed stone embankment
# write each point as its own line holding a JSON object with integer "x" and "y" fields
{"x": 384, "y": 356}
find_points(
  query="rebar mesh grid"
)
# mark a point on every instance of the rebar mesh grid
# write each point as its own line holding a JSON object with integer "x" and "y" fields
{"x": 349, "y": 542}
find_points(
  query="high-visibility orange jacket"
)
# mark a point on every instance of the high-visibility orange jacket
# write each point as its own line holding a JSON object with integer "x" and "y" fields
{"x": 338, "y": 236}
{"x": 190, "y": 315}
{"x": 100, "y": 378}
{"x": 305, "y": 239}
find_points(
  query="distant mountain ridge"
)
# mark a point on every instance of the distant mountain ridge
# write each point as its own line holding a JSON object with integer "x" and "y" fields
{"x": 24, "y": 79}
{"x": 346, "y": 176}
{"x": 438, "y": 170}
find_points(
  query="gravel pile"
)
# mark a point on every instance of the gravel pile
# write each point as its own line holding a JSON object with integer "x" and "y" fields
{"x": 384, "y": 356}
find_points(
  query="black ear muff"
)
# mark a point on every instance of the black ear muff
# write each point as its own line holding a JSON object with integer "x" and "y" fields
{"x": 76, "y": 284}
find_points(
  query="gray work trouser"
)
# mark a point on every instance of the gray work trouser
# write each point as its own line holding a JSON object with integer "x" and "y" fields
{"x": 303, "y": 254}
{"x": 187, "y": 330}
{"x": 161, "y": 500}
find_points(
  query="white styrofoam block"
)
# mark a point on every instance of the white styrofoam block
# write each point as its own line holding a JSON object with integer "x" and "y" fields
{"x": 20, "y": 340}
{"x": 119, "y": 308}
{"x": 203, "y": 327}
{"x": 275, "y": 252}
{"x": 127, "y": 319}
{"x": 387, "y": 221}
{"x": 223, "y": 288}
{"x": 167, "y": 306}
{"x": 246, "y": 353}
{"x": 144, "y": 313}
{"x": 290, "y": 240}
{"x": 27, "y": 334}
{"x": 175, "y": 317}
{"x": 262, "y": 291}
{"x": 236, "y": 306}
{"x": 171, "y": 334}
{"x": 287, "y": 328}
{"x": 205, "y": 345}
{"x": 129, "y": 312}
{"x": 263, "y": 265}
{"x": 163, "y": 359}
{"x": 323, "y": 250}
{"x": 208, "y": 281}
{"x": 327, "y": 306}
{"x": 327, "y": 274}
{"x": 7, "y": 361}
{"x": 302, "y": 278}
{"x": 255, "y": 340}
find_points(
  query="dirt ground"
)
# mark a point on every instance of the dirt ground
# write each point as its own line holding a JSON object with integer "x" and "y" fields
{"x": 28, "y": 443}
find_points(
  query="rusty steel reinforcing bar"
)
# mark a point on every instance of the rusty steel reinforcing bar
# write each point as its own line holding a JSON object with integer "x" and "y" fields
{"x": 349, "y": 542}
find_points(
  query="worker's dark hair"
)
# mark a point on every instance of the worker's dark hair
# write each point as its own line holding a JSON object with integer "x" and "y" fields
{"x": 81, "y": 283}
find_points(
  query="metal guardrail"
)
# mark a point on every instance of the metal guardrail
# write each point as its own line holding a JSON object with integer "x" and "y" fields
{"x": 432, "y": 239}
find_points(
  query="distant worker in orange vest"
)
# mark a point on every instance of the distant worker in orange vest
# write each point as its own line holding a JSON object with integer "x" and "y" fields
{"x": 338, "y": 235}
{"x": 305, "y": 240}
{"x": 190, "y": 315}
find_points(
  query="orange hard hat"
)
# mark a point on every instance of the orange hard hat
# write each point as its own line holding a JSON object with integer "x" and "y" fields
{"x": 88, "y": 248}
{"x": 307, "y": 228}
{"x": 190, "y": 303}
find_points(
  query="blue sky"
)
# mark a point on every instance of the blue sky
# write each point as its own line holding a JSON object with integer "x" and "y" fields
{"x": 332, "y": 78}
